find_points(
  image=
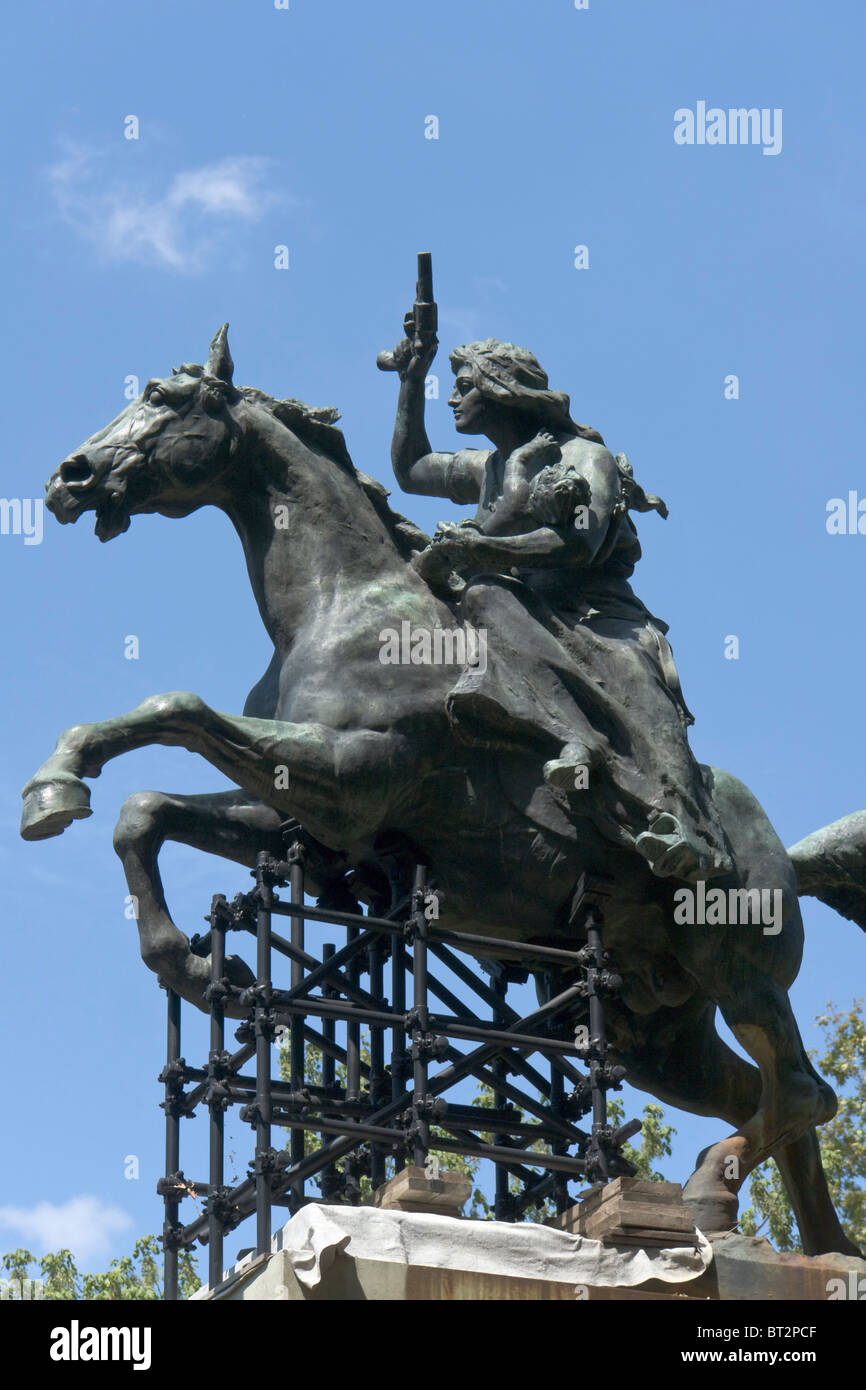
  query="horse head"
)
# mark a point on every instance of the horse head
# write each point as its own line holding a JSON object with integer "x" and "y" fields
{"x": 166, "y": 452}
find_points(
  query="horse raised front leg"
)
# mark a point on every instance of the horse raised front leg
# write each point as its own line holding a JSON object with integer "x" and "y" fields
{"x": 337, "y": 783}
{"x": 226, "y": 823}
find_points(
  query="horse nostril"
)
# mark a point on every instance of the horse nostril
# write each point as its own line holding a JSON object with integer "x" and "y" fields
{"x": 75, "y": 470}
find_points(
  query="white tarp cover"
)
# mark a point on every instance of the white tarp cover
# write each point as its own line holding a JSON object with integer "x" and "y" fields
{"x": 315, "y": 1235}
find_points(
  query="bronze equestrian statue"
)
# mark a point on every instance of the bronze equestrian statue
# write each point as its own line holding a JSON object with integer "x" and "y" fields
{"x": 565, "y": 751}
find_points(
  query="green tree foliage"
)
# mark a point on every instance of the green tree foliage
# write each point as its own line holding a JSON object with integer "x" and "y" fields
{"x": 842, "y": 1139}
{"x": 135, "y": 1277}
{"x": 655, "y": 1139}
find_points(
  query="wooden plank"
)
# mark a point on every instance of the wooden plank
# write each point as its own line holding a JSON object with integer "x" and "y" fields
{"x": 412, "y": 1190}
{"x": 646, "y": 1215}
{"x": 635, "y": 1236}
{"x": 634, "y": 1190}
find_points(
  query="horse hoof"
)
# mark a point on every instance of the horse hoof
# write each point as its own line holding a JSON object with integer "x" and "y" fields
{"x": 50, "y": 806}
{"x": 714, "y": 1214}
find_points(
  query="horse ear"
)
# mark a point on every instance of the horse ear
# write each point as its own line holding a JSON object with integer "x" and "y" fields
{"x": 219, "y": 362}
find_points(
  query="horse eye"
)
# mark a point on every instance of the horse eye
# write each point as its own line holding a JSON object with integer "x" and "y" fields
{"x": 155, "y": 397}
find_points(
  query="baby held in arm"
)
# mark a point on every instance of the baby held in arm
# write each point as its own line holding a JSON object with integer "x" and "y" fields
{"x": 539, "y": 490}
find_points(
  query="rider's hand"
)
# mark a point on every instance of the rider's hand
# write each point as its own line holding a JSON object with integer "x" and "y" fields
{"x": 448, "y": 534}
{"x": 413, "y": 356}
{"x": 433, "y": 564}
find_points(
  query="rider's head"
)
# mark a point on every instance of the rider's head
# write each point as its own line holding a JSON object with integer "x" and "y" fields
{"x": 494, "y": 378}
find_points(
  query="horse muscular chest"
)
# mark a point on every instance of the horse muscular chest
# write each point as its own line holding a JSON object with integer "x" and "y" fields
{"x": 339, "y": 669}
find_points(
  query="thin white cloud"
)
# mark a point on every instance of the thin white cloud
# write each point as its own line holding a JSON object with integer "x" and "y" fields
{"x": 490, "y": 284}
{"x": 461, "y": 324}
{"x": 84, "y": 1225}
{"x": 180, "y": 226}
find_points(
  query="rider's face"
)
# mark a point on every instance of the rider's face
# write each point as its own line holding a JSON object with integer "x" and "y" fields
{"x": 468, "y": 404}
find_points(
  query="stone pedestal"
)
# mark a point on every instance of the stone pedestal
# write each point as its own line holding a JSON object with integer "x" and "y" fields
{"x": 365, "y": 1254}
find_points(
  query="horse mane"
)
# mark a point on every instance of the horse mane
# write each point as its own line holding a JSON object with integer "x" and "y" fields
{"x": 316, "y": 425}
{"x": 312, "y": 424}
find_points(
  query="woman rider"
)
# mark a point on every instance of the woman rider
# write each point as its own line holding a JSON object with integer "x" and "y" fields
{"x": 573, "y": 657}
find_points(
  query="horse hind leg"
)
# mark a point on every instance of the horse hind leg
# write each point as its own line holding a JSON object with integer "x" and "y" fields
{"x": 793, "y": 1100}
{"x": 691, "y": 1067}
{"x": 684, "y": 1062}
{"x": 806, "y": 1184}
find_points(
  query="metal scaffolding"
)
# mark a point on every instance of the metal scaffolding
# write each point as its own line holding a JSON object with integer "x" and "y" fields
{"x": 401, "y": 1109}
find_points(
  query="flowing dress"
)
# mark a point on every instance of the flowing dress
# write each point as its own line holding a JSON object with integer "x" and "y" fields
{"x": 574, "y": 658}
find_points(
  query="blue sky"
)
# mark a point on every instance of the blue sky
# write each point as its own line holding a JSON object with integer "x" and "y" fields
{"x": 305, "y": 128}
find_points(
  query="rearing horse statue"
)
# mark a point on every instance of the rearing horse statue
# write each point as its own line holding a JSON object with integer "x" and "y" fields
{"x": 356, "y": 748}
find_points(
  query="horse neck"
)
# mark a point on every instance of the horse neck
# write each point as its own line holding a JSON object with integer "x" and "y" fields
{"x": 310, "y": 533}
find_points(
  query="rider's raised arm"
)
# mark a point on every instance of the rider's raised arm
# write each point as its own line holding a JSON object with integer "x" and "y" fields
{"x": 417, "y": 467}
{"x": 459, "y": 476}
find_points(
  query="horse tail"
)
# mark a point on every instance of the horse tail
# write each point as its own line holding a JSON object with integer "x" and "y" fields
{"x": 831, "y": 865}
